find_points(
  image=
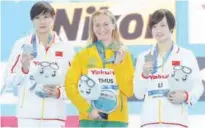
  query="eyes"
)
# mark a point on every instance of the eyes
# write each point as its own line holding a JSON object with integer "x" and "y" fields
{"x": 88, "y": 91}
{"x": 42, "y": 17}
{"x": 54, "y": 74}
{"x": 42, "y": 72}
{"x": 97, "y": 25}
{"x": 184, "y": 78}
{"x": 161, "y": 25}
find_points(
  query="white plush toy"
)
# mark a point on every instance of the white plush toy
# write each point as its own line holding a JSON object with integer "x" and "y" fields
{"x": 45, "y": 73}
{"x": 180, "y": 78}
{"x": 88, "y": 88}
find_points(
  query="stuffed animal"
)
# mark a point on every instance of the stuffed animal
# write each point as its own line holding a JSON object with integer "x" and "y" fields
{"x": 45, "y": 73}
{"x": 180, "y": 78}
{"x": 88, "y": 88}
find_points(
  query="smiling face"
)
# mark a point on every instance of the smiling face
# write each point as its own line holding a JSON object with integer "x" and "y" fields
{"x": 103, "y": 27}
{"x": 161, "y": 31}
{"x": 162, "y": 23}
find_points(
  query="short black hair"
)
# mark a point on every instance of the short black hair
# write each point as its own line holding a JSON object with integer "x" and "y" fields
{"x": 158, "y": 15}
{"x": 41, "y": 7}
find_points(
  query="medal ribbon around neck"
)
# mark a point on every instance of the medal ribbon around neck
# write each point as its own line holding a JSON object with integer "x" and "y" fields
{"x": 51, "y": 40}
{"x": 155, "y": 64}
{"x": 101, "y": 51}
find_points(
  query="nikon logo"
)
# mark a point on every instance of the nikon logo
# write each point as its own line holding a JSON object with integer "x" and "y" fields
{"x": 75, "y": 26}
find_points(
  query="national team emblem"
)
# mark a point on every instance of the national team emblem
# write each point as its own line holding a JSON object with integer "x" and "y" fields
{"x": 59, "y": 53}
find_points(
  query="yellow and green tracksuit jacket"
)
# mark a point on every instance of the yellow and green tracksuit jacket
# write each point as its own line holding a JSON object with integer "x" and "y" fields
{"x": 90, "y": 58}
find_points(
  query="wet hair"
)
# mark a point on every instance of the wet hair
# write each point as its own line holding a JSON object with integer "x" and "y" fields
{"x": 115, "y": 34}
{"x": 41, "y": 7}
{"x": 158, "y": 15}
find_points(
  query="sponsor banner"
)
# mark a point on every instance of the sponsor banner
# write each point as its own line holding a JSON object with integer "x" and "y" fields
{"x": 72, "y": 19}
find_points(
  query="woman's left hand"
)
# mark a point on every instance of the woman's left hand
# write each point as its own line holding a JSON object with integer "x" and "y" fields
{"x": 177, "y": 97}
{"x": 51, "y": 90}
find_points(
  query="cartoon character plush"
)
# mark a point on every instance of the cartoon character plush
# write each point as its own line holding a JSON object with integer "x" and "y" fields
{"x": 45, "y": 73}
{"x": 88, "y": 88}
{"x": 180, "y": 77}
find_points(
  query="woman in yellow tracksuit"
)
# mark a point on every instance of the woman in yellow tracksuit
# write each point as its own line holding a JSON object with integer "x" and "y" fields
{"x": 103, "y": 57}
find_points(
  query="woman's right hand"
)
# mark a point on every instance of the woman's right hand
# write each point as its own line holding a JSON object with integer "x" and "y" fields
{"x": 94, "y": 114}
{"x": 25, "y": 61}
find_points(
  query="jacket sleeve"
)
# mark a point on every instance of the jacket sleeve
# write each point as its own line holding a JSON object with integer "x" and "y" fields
{"x": 125, "y": 79}
{"x": 140, "y": 82}
{"x": 14, "y": 74}
{"x": 71, "y": 85}
{"x": 196, "y": 92}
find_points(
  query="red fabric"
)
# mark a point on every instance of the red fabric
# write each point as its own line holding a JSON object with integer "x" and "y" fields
{"x": 176, "y": 124}
{"x": 175, "y": 63}
{"x": 17, "y": 59}
{"x": 47, "y": 48}
{"x": 59, "y": 53}
{"x": 25, "y": 72}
